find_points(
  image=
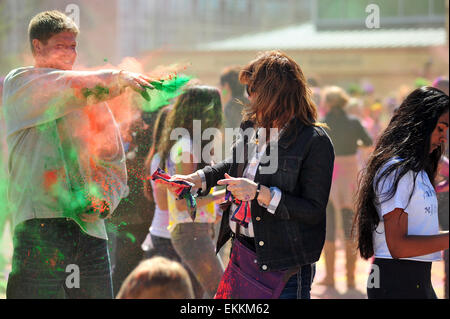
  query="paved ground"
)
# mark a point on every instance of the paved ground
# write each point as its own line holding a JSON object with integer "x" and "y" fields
{"x": 318, "y": 291}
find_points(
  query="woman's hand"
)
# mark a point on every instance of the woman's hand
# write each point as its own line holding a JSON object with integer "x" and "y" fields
{"x": 193, "y": 178}
{"x": 242, "y": 188}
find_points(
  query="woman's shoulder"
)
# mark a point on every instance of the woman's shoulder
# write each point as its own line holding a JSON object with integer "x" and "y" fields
{"x": 389, "y": 163}
{"x": 318, "y": 131}
{"x": 309, "y": 139}
{"x": 387, "y": 179}
{"x": 320, "y": 135}
{"x": 300, "y": 134}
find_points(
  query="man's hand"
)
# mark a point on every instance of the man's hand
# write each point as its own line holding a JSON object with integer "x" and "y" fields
{"x": 95, "y": 212}
{"x": 136, "y": 81}
{"x": 90, "y": 218}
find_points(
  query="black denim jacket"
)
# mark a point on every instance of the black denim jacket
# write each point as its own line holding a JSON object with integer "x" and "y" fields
{"x": 295, "y": 234}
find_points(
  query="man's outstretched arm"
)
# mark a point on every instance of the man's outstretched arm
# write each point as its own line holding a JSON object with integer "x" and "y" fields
{"x": 36, "y": 96}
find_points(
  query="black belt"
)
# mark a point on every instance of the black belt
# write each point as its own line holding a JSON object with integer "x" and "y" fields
{"x": 248, "y": 242}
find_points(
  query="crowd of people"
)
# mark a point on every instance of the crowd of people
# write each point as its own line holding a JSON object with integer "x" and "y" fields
{"x": 373, "y": 171}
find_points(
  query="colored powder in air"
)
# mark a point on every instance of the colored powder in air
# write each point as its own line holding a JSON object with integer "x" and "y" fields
{"x": 419, "y": 82}
{"x": 164, "y": 91}
{"x": 131, "y": 237}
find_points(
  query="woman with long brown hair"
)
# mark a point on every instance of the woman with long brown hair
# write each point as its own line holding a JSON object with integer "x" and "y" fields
{"x": 278, "y": 185}
{"x": 192, "y": 239}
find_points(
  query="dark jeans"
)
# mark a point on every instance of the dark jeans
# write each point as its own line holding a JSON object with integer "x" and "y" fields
{"x": 299, "y": 285}
{"x": 54, "y": 258}
{"x": 127, "y": 252}
{"x": 400, "y": 279}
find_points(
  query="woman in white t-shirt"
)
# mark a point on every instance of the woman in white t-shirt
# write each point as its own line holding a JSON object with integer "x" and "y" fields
{"x": 157, "y": 242}
{"x": 397, "y": 219}
{"x": 196, "y": 110}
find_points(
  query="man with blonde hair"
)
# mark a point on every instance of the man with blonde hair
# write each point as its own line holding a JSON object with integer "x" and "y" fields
{"x": 66, "y": 166}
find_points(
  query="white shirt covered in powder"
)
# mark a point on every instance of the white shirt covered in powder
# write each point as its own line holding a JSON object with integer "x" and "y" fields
{"x": 59, "y": 141}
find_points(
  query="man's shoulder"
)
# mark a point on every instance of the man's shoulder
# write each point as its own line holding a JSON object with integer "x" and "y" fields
{"x": 17, "y": 72}
{"x": 20, "y": 70}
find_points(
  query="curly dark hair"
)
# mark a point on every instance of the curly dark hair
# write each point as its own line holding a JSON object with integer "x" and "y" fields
{"x": 407, "y": 137}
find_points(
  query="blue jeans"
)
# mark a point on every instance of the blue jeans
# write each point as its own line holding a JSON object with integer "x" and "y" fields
{"x": 54, "y": 258}
{"x": 299, "y": 285}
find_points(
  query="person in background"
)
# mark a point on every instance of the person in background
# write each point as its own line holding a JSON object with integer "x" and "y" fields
{"x": 347, "y": 134}
{"x": 157, "y": 242}
{"x": 193, "y": 240}
{"x": 233, "y": 99}
{"x": 396, "y": 219}
{"x": 443, "y": 201}
{"x": 442, "y": 84}
{"x": 157, "y": 278}
{"x": 132, "y": 217}
{"x": 316, "y": 96}
{"x": 354, "y": 107}
{"x": 442, "y": 189}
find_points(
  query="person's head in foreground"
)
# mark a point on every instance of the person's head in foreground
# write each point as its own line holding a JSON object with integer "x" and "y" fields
{"x": 52, "y": 37}
{"x": 157, "y": 278}
{"x": 416, "y": 134}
